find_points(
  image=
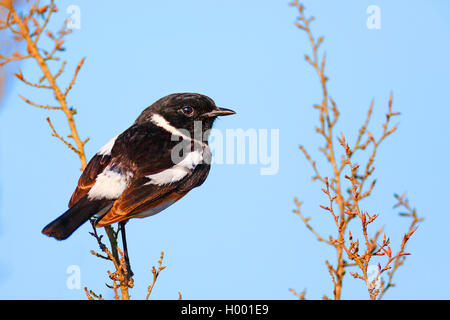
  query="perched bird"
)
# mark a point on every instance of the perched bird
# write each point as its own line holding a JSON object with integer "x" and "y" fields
{"x": 145, "y": 169}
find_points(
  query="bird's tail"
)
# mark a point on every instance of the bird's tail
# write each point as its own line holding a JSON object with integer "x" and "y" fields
{"x": 63, "y": 226}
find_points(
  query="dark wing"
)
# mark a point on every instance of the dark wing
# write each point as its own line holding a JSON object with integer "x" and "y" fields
{"x": 95, "y": 166}
{"x": 142, "y": 196}
{"x": 122, "y": 153}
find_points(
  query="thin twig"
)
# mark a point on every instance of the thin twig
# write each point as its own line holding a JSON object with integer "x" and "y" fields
{"x": 156, "y": 273}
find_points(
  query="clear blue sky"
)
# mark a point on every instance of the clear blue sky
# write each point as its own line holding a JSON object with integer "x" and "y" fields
{"x": 236, "y": 236}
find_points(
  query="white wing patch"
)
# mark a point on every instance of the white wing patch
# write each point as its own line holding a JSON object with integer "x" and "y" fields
{"x": 109, "y": 184}
{"x": 106, "y": 149}
{"x": 178, "y": 171}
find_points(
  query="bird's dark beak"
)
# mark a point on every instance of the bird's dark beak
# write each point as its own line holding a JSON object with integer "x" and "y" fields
{"x": 219, "y": 112}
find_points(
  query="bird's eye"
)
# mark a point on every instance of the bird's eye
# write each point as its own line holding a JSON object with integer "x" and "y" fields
{"x": 188, "y": 111}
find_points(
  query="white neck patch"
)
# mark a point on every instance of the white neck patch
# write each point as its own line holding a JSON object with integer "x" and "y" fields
{"x": 161, "y": 122}
{"x": 184, "y": 167}
{"x": 178, "y": 171}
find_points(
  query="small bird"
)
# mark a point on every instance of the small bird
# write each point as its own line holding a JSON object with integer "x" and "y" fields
{"x": 147, "y": 168}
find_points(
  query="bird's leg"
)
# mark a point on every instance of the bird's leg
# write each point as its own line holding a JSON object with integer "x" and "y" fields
{"x": 125, "y": 249}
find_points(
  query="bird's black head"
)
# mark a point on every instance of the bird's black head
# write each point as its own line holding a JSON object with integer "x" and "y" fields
{"x": 182, "y": 110}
